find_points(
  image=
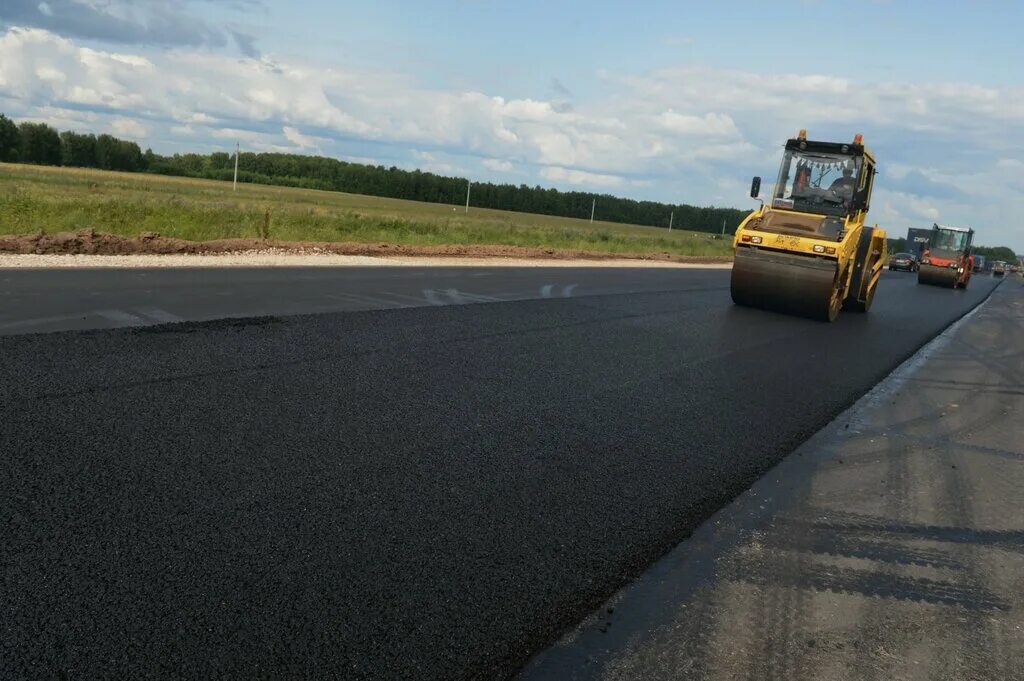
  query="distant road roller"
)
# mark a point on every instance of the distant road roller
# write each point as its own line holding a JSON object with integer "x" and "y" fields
{"x": 808, "y": 251}
{"x": 947, "y": 259}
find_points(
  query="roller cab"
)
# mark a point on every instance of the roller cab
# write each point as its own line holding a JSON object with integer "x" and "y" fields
{"x": 947, "y": 260}
{"x": 807, "y": 250}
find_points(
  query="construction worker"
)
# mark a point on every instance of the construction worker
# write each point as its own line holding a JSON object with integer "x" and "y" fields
{"x": 844, "y": 185}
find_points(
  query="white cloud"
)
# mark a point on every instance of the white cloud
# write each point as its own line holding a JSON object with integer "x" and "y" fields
{"x": 250, "y": 140}
{"x": 302, "y": 141}
{"x": 129, "y": 128}
{"x": 498, "y": 165}
{"x": 66, "y": 119}
{"x": 50, "y": 73}
{"x": 581, "y": 177}
{"x": 919, "y": 207}
{"x": 428, "y": 161}
{"x": 237, "y": 134}
{"x": 193, "y": 117}
{"x": 197, "y": 89}
{"x": 711, "y": 124}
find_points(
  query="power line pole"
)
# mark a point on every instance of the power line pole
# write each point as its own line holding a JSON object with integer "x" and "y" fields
{"x": 468, "y": 187}
{"x": 234, "y": 185}
{"x": 723, "y": 228}
{"x": 593, "y": 206}
{"x": 671, "y": 217}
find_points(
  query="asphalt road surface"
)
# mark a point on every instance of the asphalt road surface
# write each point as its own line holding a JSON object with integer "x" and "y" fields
{"x": 36, "y": 301}
{"x": 432, "y": 492}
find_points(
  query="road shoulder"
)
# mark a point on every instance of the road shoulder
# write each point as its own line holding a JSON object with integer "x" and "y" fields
{"x": 287, "y": 258}
{"x": 888, "y": 546}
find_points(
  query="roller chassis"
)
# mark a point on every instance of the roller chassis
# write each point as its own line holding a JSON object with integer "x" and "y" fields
{"x": 811, "y": 273}
{"x": 951, "y": 267}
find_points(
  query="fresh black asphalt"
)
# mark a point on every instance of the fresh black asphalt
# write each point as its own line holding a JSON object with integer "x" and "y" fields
{"x": 421, "y": 493}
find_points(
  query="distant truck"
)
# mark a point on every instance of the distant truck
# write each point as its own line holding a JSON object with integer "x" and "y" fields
{"x": 979, "y": 263}
{"x": 917, "y": 241}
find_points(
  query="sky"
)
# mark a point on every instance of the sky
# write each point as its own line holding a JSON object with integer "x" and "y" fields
{"x": 670, "y": 101}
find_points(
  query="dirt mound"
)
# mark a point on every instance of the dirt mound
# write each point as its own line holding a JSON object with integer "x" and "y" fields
{"x": 91, "y": 242}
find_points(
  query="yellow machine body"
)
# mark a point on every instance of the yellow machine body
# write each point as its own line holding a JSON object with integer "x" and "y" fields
{"x": 808, "y": 251}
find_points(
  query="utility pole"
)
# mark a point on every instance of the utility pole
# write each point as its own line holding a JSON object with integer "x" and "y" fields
{"x": 468, "y": 187}
{"x": 723, "y": 228}
{"x": 234, "y": 185}
{"x": 592, "y": 207}
{"x": 671, "y": 217}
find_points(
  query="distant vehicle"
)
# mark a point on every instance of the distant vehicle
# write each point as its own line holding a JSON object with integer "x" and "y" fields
{"x": 979, "y": 263}
{"x": 947, "y": 261}
{"x": 998, "y": 268}
{"x": 1015, "y": 268}
{"x": 917, "y": 241}
{"x": 903, "y": 261}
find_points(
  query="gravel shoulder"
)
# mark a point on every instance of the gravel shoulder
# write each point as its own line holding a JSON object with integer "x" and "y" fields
{"x": 89, "y": 248}
{"x": 889, "y": 546}
{"x": 287, "y": 258}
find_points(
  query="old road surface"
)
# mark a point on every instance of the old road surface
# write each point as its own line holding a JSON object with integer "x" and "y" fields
{"x": 423, "y": 492}
{"x": 40, "y": 300}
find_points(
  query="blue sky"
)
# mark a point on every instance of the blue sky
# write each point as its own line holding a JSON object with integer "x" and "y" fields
{"x": 673, "y": 101}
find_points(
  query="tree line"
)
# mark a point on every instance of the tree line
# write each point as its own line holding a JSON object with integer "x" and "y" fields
{"x": 41, "y": 144}
{"x": 319, "y": 172}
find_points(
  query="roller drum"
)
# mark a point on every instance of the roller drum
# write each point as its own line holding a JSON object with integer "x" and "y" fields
{"x": 937, "y": 276}
{"x": 784, "y": 282}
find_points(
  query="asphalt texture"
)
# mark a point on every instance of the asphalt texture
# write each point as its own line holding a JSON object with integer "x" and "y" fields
{"x": 890, "y": 545}
{"x": 44, "y": 300}
{"x": 431, "y": 492}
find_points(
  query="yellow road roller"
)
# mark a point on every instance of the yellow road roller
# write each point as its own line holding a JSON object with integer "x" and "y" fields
{"x": 808, "y": 251}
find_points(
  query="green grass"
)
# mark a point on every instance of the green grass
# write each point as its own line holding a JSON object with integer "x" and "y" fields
{"x": 36, "y": 198}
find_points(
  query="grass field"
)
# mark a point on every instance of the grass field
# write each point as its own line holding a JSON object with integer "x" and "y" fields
{"x": 36, "y": 198}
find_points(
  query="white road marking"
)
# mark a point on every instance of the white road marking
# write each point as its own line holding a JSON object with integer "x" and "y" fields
{"x": 340, "y": 297}
{"x": 567, "y": 291}
{"x": 455, "y": 296}
{"x": 159, "y": 315}
{"x": 479, "y": 297}
{"x": 121, "y": 318}
{"x": 430, "y": 295}
{"x": 418, "y": 301}
{"x": 366, "y": 300}
{"x": 40, "y": 321}
{"x": 545, "y": 291}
